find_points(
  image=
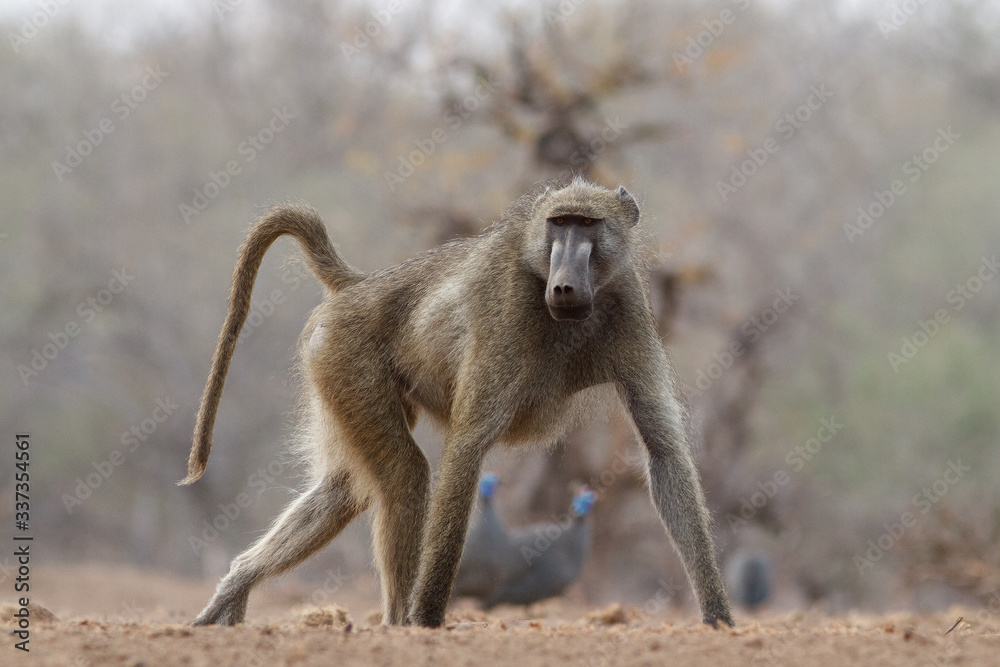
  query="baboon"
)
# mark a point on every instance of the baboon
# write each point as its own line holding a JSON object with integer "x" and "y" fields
{"x": 497, "y": 337}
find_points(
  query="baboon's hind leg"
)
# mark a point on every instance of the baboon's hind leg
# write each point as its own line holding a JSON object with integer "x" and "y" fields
{"x": 305, "y": 526}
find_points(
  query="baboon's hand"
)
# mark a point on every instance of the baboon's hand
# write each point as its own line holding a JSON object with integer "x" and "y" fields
{"x": 719, "y": 620}
{"x": 426, "y": 620}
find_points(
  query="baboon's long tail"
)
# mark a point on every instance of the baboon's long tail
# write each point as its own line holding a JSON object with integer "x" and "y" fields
{"x": 323, "y": 260}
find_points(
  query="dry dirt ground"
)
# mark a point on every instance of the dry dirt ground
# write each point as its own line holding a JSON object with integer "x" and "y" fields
{"x": 116, "y": 616}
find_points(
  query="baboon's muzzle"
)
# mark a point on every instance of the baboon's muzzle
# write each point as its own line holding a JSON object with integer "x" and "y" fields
{"x": 569, "y": 293}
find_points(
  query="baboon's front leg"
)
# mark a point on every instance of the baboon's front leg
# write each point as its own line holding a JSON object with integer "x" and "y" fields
{"x": 444, "y": 537}
{"x": 676, "y": 491}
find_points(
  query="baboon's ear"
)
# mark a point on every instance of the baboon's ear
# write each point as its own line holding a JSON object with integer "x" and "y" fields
{"x": 631, "y": 208}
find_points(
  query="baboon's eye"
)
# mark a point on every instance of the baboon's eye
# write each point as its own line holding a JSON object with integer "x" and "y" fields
{"x": 587, "y": 221}
{"x": 559, "y": 221}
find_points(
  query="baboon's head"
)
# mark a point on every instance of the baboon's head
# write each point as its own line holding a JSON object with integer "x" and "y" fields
{"x": 578, "y": 240}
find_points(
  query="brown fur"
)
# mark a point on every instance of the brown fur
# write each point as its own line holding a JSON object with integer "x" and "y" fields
{"x": 461, "y": 332}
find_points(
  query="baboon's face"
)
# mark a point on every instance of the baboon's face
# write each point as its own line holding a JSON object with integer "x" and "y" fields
{"x": 579, "y": 240}
{"x": 569, "y": 292}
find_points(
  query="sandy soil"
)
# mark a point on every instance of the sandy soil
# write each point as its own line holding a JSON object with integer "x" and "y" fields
{"x": 115, "y": 616}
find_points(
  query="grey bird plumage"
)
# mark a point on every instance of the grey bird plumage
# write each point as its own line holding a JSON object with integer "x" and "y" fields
{"x": 547, "y": 558}
{"x": 748, "y": 577}
{"x": 487, "y": 548}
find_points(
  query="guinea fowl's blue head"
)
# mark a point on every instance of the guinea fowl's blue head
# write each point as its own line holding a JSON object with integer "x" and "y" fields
{"x": 583, "y": 501}
{"x": 488, "y": 485}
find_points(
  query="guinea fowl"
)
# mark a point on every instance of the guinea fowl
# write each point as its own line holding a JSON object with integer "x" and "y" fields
{"x": 487, "y": 548}
{"x": 546, "y": 558}
{"x": 748, "y": 575}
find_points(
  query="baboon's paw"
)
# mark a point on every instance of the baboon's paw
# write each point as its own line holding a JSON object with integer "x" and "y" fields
{"x": 218, "y": 616}
{"x": 719, "y": 621}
